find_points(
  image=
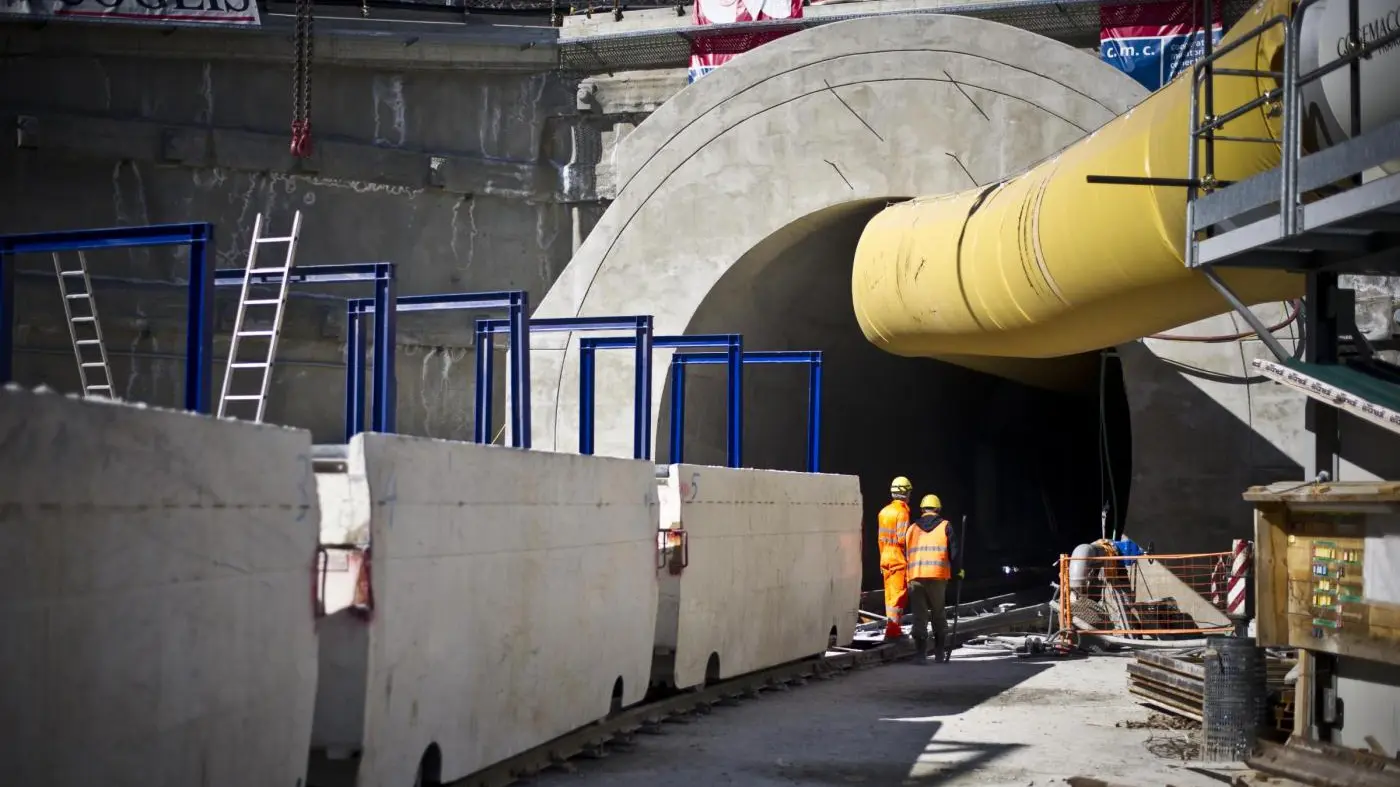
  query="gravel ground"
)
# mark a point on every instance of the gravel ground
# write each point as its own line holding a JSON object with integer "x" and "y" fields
{"x": 983, "y": 719}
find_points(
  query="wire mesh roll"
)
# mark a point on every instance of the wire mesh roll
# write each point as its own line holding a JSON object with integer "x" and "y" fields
{"x": 1236, "y": 698}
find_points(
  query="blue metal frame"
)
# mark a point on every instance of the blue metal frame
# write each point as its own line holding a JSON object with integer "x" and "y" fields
{"x": 641, "y": 340}
{"x": 812, "y": 359}
{"x": 733, "y": 345}
{"x": 384, "y": 416}
{"x": 516, "y": 302}
{"x": 199, "y": 341}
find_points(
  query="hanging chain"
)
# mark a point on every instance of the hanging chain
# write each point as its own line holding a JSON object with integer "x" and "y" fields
{"x": 304, "y": 44}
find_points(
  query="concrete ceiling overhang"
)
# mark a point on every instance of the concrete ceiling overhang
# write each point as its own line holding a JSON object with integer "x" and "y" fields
{"x": 872, "y": 109}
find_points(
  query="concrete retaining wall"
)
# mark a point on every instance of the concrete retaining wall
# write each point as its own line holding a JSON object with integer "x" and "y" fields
{"x": 155, "y": 624}
{"x": 512, "y": 590}
{"x": 774, "y": 567}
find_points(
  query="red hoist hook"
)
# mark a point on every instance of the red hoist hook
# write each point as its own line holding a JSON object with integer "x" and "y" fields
{"x": 303, "y": 39}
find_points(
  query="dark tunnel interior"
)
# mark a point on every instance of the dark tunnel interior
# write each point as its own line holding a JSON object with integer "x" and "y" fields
{"x": 1022, "y": 464}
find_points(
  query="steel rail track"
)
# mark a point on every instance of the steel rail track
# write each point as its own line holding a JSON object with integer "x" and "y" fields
{"x": 620, "y": 729}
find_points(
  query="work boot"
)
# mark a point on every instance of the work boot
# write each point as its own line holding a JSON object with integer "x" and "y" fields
{"x": 942, "y": 652}
{"x": 921, "y": 652}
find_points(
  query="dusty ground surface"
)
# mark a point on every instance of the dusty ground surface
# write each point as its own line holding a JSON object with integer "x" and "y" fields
{"x": 983, "y": 719}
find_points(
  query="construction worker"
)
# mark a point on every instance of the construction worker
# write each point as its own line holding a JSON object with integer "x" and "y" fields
{"x": 893, "y": 519}
{"x": 929, "y": 553}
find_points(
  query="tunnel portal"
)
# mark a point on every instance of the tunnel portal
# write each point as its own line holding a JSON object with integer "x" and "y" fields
{"x": 1025, "y": 464}
{"x": 740, "y": 204}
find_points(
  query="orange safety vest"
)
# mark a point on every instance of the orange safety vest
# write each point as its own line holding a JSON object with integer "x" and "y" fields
{"x": 893, "y": 518}
{"x": 927, "y": 552}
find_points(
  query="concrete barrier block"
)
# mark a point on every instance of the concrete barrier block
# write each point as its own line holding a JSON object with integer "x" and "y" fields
{"x": 513, "y": 591}
{"x": 156, "y": 626}
{"x": 774, "y": 568}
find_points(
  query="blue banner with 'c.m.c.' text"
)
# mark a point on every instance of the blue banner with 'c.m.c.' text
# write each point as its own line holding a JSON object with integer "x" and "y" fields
{"x": 1153, "y": 42}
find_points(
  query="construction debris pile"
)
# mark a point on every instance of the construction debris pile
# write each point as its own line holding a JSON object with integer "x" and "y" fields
{"x": 1174, "y": 682}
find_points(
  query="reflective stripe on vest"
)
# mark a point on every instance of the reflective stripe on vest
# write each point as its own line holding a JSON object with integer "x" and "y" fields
{"x": 928, "y": 553}
{"x": 893, "y": 518}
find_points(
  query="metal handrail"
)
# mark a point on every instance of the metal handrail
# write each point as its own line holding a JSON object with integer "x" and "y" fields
{"x": 1203, "y": 130}
{"x": 1293, "y": 82}
{"x": 1289, "y": 95}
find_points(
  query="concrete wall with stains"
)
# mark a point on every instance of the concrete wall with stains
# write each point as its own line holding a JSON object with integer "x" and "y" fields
{"x": 514, "y": 594}
{"x": 155, "y": 626}
{"x": 449, "y": 160}
{"x": 783, "y": 547}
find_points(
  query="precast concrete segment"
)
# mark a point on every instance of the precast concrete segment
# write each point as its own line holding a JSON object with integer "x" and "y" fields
{"x": 155, "y": 621}
{"x": 1046, "y": 264}
{"x": 774, "y": 568}
{"x": 814, "y": 127}
{"x": 512, "y": 591}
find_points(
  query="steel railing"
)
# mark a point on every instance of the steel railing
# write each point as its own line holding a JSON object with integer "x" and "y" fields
{"x": 1205, "y": 123}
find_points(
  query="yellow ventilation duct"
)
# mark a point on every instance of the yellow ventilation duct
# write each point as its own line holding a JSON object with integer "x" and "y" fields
{"x": 1046, "y": 264}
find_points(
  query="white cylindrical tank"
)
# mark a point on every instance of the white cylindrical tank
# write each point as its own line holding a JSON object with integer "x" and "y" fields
{"x": 1327, "y": 102}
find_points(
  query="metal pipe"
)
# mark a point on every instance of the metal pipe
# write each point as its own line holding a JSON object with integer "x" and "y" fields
{"x": 735, "y": 401}
{"x": 384, "y": 416}
{"x": 1288, "y": 152}
{"x": 199, "y": 331}
{"x": 1150, "y": 644}
{"x": 1244, "y": 311}
{"x": 1049, "y": 299}
{"x": 585, "y": 398}
{"x": 641, "y": 429}
{"x": 485, "y": 387}
{"x": 814, "y": 415}
{"x": 677, "y": 413}
{"x": 1234, "y": 114}
{"x": 1207, "y": 55}
{"x": 520, "y": 370}
{"x": 357, "y": 343}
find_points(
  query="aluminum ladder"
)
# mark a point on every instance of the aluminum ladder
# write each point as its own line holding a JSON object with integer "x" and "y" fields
{"x": 94, "y": 374}
{"x": 260, "y": 362}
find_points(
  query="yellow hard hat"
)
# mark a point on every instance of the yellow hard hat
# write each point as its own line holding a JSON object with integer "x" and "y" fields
{"x": 931, "y": 501}
{"x": 901, "y": 486}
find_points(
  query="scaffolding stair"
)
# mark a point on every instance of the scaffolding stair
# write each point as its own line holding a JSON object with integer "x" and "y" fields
{"x": 253, "y": 359}
{"x": 75, "y": 288}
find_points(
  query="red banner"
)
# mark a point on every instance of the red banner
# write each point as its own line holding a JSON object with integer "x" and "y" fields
{"x": 709, "y": 51}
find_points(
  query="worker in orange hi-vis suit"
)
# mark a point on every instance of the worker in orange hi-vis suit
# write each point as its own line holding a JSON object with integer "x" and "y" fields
{"x": 893, "y": 519}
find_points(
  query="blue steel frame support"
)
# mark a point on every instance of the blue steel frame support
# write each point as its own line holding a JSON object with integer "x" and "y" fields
{"x": 812, "y": 359}
{"x": 381, "y": 274}
{"x": 199, "y": 341}
{"x": 731, "y": 343}
{"x": 515, "y": 302}
{"x": 640, "y": 325}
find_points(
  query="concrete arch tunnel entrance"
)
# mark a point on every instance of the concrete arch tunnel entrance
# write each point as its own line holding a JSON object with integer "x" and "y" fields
{"x": 740, "y": 204}
{"x": 1022, "y": 462}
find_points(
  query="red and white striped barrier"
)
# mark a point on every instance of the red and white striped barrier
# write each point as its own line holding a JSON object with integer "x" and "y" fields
{"x": 1218, "y": 574}
{"x": 1236, "y": 589}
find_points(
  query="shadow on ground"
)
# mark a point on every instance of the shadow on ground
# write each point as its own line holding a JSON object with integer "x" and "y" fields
{"x": 873, "y": 727}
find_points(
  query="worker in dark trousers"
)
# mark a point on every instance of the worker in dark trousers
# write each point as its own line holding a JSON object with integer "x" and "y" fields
{"x": 929, "y": 552}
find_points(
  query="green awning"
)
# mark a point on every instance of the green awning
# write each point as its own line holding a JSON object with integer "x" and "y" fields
{"x": 1369, "y": 390}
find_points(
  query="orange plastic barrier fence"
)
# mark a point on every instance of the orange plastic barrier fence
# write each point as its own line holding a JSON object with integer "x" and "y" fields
{"x": 1145, "y": 595}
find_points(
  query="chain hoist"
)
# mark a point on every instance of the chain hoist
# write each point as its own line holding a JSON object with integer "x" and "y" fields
{"x": 304, "y": 43}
